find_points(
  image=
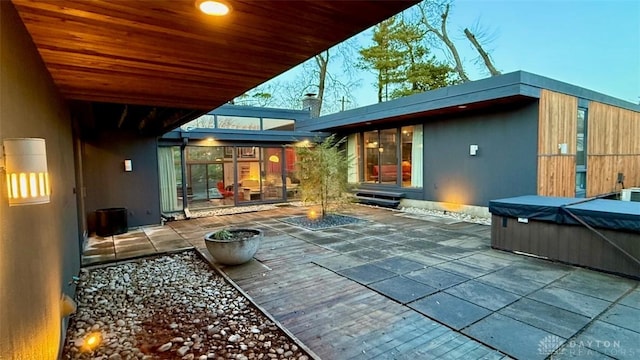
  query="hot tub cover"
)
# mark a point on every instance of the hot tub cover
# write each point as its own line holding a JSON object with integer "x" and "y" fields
{"x": 608, "y": 214}
{"x": 544, "y": 208}
{"x": 600, "y": 213}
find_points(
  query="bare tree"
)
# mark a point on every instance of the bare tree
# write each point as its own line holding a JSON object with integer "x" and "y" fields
{"x": 434, "y": 16}
{"x": 322, "y": 60}
{"x": 483, "y": 54}
{"x": 426, "y": 9}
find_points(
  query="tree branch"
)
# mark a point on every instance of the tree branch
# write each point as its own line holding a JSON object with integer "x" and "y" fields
{"x": 483, "y": 54}
{"x": 442, "y": 35}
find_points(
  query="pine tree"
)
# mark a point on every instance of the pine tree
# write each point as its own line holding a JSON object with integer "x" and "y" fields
{"x": 401, "y": 59}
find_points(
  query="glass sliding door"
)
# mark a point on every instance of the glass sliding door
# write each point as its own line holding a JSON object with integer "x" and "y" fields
{"x": 248, "y": 174}
{"x": 206, "y": 175}
{"x": 388, "y": 156}
{"x": 371, "y": 156}
{"x": 411, "y": 156}
{"x": 226, "y": 175}
{"x": 272, "y": 165}
{"x": 198, "y": 176}
{"x": 291, "y": 179}
{"x": 170, "y": 178}
{"x": 353, "y": 156}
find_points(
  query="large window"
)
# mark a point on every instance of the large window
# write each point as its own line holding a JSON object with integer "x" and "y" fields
{"x": 239, "y": 123}
{"x": 411, "y": 165}
{"x": 170, "y": 173}
{"x": 278, "y": 124}
{"x": 371, "y": 156}
{"x": 391, "y": 156}
{"x": 225, "y": 175}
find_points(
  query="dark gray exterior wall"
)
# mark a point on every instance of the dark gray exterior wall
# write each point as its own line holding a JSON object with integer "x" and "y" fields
{"x": 39, "y": 244}
{"x": 506, "y": 163}
{"x": 108, "y": 185}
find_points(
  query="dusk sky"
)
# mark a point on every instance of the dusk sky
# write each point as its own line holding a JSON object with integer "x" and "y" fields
{"x": 593, "y": 44}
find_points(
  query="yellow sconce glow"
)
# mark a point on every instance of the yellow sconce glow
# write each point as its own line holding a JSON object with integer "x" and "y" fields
{"x": 26, "y": 171}
{"x": 215, "y": 8}
{"x": 312, "y": 215}
{"x": 274, "y": 159}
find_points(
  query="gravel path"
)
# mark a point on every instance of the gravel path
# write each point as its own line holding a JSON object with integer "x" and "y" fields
{"x": 448, "y": 214}
{"x": 170, "y": 307}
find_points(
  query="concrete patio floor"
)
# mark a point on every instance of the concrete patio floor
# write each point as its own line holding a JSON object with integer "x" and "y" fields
{"x": 400, "y": 286}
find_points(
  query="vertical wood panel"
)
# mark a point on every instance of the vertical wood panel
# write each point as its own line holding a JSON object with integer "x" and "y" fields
{"x": 613, "y": 147}
{"x": 602, "y": 173}
{"x": 557, "y": 122}
{"x": 557, "y": 175}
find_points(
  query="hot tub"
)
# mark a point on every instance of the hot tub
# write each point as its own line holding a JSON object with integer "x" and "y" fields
{"x": 595, "y": 233}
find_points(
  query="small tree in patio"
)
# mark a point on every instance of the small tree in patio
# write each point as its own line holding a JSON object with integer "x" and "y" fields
{"x": 322, "y": 169}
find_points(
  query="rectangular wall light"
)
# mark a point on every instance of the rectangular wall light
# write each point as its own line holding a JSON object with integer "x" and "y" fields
{"x": 26, "y": 171}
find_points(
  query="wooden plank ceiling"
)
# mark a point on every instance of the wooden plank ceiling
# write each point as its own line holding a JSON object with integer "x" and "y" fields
{"x": 165, "y": 54}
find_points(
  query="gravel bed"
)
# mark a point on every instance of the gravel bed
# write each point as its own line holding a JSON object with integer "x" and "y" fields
{"x": 448, "y": 214}
{"x": 328, "y": 221}
{"x": 170, "y": 307}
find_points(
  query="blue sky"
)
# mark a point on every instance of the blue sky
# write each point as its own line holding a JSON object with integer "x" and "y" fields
{"x": 594, "y": 44}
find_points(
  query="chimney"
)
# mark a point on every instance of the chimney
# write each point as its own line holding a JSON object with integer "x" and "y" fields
{"x": 312, "y": 103}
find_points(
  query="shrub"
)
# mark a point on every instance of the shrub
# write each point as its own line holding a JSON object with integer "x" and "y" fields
{"x": 323, "y": 168}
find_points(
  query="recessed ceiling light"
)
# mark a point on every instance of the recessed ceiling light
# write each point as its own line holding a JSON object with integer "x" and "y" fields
{"x": 211, "y": 7}
{"x": 462, "y": 106}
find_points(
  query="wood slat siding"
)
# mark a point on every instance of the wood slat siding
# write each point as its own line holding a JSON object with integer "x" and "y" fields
{"x": 557, "y": 175}
{"x": 613, "y": 146}
{"x": 602, "y": 173}
{"x": 557, "y": 124}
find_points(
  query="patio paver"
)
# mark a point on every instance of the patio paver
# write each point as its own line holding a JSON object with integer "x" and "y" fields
{"x": 608, "y": 339}
{"x": 623, "y": 316}
{"x": 483, "y": 295}
{"x": 450, "y": 310}
{"x": 569, "y": 300}
{"x": 632, "y": 299}
{"x": 401, "y": 289}
{"x": 399, "y": 264}
{"x": 546, "y": 317}
{"x": 436, "y": 278}
{"x": 366, "y": 274}
{"x": 514, "y": 338}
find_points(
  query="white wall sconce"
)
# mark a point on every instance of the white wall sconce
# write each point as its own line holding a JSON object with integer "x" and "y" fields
{"x": 563, "y": 148}
{"x": 128, "y": 166}
{"x": 25, "y": 161}
{"x": 473, "y": 150}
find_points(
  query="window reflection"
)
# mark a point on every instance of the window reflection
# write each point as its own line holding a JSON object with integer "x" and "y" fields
{"x": 238, "y": 122}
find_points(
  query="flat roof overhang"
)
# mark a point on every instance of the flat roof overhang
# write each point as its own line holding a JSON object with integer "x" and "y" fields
{"x": 472, "y": 97}
{"x": 158, "y": 64}
{"x": 220, "y": 137}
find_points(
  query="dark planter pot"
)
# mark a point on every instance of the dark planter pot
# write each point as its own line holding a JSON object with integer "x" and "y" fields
{"x": 234, "y": 251}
